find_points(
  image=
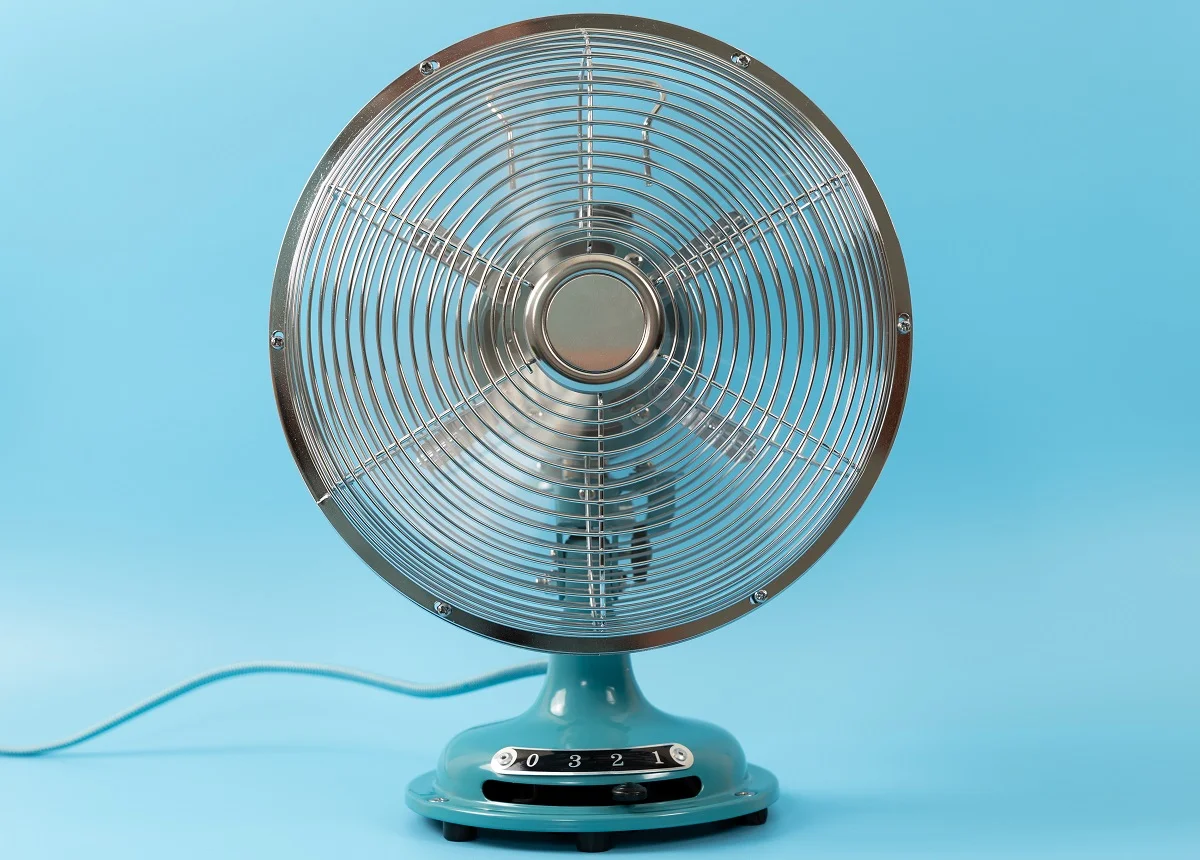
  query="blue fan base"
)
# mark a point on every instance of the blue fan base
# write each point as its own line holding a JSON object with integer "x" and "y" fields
{"x": 591, "y": 702}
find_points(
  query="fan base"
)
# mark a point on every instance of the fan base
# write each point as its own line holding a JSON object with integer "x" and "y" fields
{"x": 465, "y": 815}
{"x": 591, "y": 703}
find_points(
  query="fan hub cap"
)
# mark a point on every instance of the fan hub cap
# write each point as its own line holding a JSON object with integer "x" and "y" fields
{"x": 594, "y": 318}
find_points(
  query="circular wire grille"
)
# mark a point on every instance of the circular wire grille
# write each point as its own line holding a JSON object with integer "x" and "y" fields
{"x": 539, "y": 509}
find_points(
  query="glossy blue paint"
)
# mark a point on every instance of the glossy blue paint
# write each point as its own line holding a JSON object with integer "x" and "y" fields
{"x": 592, "y": 702}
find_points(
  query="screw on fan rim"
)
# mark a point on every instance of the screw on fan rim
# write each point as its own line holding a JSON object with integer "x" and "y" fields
{"x": 551, "y": 513}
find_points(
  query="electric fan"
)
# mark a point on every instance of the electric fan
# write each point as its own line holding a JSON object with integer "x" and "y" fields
{"x": 590, "y": 334}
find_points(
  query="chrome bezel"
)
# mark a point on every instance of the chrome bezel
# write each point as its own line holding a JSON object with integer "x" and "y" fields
{"x": 899, "y": 371}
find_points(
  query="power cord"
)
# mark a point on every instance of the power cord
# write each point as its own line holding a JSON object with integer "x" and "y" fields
{"x": 237, "y": 670}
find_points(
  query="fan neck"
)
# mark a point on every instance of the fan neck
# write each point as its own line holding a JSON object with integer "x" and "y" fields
{"x": 589, "y": 687}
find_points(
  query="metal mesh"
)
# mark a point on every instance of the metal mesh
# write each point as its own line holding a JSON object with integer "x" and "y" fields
{"x": 556, "y": 507}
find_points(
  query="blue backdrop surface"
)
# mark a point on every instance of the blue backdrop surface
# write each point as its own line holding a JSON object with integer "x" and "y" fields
{"x": 998, "y": 659}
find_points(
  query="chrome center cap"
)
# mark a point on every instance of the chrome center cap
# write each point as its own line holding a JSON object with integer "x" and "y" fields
{"x": 594, "y": 318}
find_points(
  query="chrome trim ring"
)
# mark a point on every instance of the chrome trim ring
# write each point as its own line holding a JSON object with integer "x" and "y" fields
{"x": 547, "y": 288}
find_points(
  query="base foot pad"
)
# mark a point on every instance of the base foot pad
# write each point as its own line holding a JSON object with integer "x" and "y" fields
{"x": 458, "y": 832}
{"x": 593, "y": 843}
{"x": 754, "y": 818}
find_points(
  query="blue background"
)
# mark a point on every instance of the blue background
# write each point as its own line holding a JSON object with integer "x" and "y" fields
{"x": 998, "y": 659}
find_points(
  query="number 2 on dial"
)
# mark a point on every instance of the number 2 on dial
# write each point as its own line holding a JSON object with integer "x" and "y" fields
{"x": 618, "y": 760}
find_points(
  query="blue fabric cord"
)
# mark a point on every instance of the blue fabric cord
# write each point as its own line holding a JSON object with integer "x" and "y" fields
{"x": 237, "y": 670}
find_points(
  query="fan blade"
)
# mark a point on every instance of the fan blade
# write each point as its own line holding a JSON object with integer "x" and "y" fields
{"x": 433, "y": 239}
{"x": 738, "y": 439}
{"x": 485, "y": 415}
{"x": 733, "y": 231}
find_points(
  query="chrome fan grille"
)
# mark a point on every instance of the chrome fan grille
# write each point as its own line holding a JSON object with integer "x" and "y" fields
{"x": 539, "y": 509}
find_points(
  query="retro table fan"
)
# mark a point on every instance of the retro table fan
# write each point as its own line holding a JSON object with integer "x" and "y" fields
{"x": 590, "y": 334}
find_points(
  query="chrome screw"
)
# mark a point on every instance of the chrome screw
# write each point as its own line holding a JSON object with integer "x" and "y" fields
{"x": 443, "y": 609}
{"x": 742, "y": 61}
{"x": 505, "y": 757}
{"x": 276, "y": 340}
{"x": 904, "y": 323}
{"x": 679, "y": 753}
{"x": 635, "y": 258}
{"x": 428, "y": 67}
{"x": 759, "y": 596}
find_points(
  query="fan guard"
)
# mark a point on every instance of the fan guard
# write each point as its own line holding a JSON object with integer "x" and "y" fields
{"x": 556, "y": 501}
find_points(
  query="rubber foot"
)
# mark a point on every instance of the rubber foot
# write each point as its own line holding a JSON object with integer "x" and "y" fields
{"x": 458, "y": 832}
{"x": 593, "y": 843}
{"x": 754, "y": 818}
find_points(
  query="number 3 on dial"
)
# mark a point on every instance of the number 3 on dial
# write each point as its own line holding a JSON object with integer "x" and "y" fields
{"x": 575, "y": 760}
